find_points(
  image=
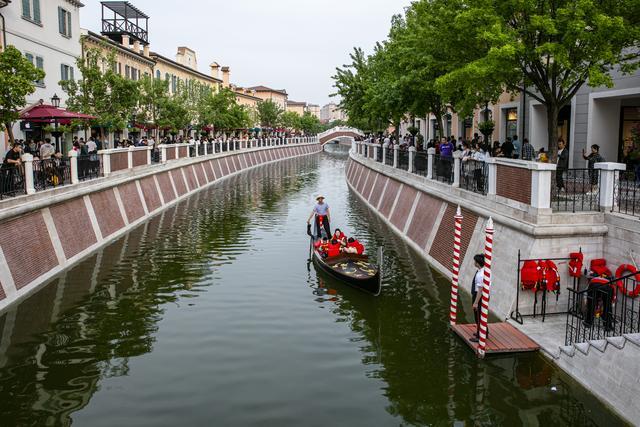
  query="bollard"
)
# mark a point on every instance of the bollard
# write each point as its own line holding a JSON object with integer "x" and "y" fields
{"x": 396, "y": 149}
{"x": 73, "y": 158}
{"x": 431, "y": 153}
{"x": 412, "y": 155}
{"x": 130, "y": 157}
{"x": 106, "y": 162}
{"x": 457, "y": 156}
{"x": 385, "y": 149}
{"x": 28, "y": 173}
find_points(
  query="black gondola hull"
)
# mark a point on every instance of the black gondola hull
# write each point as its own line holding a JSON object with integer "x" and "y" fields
{"x": 370, "y": 283}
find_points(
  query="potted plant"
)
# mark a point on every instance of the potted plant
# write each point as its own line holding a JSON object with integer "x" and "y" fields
{"x": 486, "y": 128}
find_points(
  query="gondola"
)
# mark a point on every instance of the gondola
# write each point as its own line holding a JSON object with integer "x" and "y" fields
{"x": 352, "y": 269}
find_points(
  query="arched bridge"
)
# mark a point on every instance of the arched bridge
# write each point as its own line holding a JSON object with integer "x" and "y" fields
{"x": 340, "y": 133}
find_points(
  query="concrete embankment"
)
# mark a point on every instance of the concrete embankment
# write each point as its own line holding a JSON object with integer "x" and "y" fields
{"x": 421, "y": 211}
{"x": 45, "y": 233}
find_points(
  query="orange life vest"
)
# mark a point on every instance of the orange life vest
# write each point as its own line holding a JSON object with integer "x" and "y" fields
{"x": 551, "y": 277}
{"x": 530, "y": 275}
{"x": 575, "y": 264}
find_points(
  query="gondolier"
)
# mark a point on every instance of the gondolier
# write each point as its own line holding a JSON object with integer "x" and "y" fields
{"x": 322, "y": 216}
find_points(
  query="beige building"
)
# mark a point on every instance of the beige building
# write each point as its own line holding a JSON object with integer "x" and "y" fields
{"x": 244, "y": 96}
{"x": 279, "y": 96}
{"x": 182, "y": 71}
{"x": 314, "y": 110}
{"x": 331, "y": 112}
{"x": 131, "y": 60}
{"x": 297, "y": 107}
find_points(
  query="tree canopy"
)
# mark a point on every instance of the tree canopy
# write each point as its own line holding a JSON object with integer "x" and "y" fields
{"x": 269, "y": 113}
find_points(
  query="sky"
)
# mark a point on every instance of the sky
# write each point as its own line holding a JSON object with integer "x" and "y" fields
{"x": 284, "y": 44}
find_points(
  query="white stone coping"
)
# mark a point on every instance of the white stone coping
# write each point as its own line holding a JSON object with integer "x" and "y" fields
{"x": 522, "y": 164}
{"x": 21, "y": 205}
{"x": 124, "y": 150}
{"x": 610, "y": 166}
{"x": 534, "y": 222}
{"x": 183, "y": 144}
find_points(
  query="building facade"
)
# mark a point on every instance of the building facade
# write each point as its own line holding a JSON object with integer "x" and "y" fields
{"x": 297, "y": 107}
{"x": 278, "y": 96}
{"x": 331, "y": 112}
{"x": 314, "y": 110}
{"x": 48, "y": 33}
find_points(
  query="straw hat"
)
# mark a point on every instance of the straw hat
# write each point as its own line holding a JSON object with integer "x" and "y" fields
{"x": 320, "y": 196}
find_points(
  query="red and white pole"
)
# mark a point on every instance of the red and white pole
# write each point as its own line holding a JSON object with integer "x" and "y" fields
{"x": 457, "y": 233}
{"x": 486, "y": 288}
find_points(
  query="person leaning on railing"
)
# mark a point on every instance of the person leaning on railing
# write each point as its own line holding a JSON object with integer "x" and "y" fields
{"x": 593, "y": 158}
{"x": 11, "y": 167}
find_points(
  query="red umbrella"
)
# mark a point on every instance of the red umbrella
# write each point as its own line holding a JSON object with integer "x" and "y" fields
{"x": 48, "y": 113}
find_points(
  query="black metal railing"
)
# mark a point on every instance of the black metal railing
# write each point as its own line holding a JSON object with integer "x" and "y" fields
{"x": 421, "y": 163}
{"x": 576, "y": 190}
{"x": 50, "y": 173}
{"x": 603, "y": 310}
{"x": 89, "y": 167}
{"x": 626, "y": 193}
{"x": 192, "y": 150}
{"x": 200, "y": 149}
{"x": 378, "y": 153}
{"x": 389, "y": 158}
{"x": 474, "y": 176}
{"x": 443, "y": 169}
{"x": 403, "y": 159}
{"x": 12, "y": 181}
{"x": 155, "y": 155}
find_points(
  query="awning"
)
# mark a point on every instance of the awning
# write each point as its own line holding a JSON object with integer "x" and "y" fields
{"x": 44, "y": 113}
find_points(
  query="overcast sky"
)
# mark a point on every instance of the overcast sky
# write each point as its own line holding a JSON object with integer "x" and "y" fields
{"x": 284, "y": 44}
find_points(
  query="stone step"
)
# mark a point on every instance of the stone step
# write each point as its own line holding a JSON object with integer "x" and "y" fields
{"x": 583, "y": 347}
{"x": 569, "y": 350}
{"x": 634, "y": 338}
{"x": 617, "y": 342}
{"x": 599, "y": 345}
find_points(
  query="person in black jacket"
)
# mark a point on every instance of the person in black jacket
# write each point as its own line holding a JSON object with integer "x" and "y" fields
{"x": 563, "y": 163}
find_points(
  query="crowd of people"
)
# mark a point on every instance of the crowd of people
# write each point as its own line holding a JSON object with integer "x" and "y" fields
{"x": 338, "y": 244}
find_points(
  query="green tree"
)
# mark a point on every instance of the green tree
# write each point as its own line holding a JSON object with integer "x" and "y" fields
{"x": 550, "y": 49}
{"x": 222, "y": 111}
{"x": 269, "y": 113}
{"x": 310, "y": 124}
{"x": 290, "y": 120}
{"x": 17, "y": 77}
{"x": 102, "y": 92}
{"x": 154, "y": 93}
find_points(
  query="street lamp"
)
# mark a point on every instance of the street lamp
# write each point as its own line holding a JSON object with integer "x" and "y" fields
{"x": 55, "y": 101}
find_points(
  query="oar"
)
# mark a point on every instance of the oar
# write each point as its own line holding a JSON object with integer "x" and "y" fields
{"x": 311, "y": 238}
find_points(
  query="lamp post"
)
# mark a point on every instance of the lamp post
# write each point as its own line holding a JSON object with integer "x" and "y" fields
{"x": 55, "y": 101}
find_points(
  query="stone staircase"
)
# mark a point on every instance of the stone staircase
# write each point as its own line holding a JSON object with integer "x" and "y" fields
{"x": 599, "y": 345}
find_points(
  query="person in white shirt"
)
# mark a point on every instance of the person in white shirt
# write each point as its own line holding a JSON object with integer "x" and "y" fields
{"x": 46, "y": 149}
{"x": 91, "y": 146}
{"x": 477, "y": 284}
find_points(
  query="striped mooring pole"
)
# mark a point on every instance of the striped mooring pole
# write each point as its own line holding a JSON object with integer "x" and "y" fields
{"x": 457, "y": 235}
{"x": 486, "y": 288}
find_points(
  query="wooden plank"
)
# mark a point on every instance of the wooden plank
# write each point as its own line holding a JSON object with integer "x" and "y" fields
{"x": 503, "y": 338}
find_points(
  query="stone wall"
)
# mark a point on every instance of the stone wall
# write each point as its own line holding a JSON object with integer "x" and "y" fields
{"x": 43, "y": 234}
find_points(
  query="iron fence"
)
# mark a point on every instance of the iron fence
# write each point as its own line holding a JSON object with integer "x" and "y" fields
{"x": 403, "y": 160}
{"x": 420, "y": 163}
{"x": 389, "y": 158}
{"x": 50, "y": 173}
{"x": 89, "y": 167}
{"x": 200, "y": 149}
{"x": 378, "y": 153}
{"x": 603, "y": 310}
{"x": 155, "y": 155}
{"x": 474, "y": 176}
{"x": 11, "y": 181}
{"x": 576, "y": 190}
{"x": 443, "y": 169}
{"x": 626, "y": 193}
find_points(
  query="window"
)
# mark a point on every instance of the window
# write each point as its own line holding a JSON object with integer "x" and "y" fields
{"x": 158, "y": 75}
{"x": 127, "y": 71}
{"x": 511, "y": 122}
{"x": 120, "y": 68}
{"x": 66, "y": 72}
{"x": 64, "y": 22}
{"x": 31, "y": 10}
{"x": 38, "y": 61}
{"x": 174, "y": 84}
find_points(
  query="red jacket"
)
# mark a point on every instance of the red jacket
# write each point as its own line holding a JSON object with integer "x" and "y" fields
{"x": 358, "y": 246}
{"x": 334, "y": 250}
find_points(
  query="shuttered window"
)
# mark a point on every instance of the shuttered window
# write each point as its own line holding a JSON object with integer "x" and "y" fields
{"x": 64, "y": 22}
{"x": 26, "y": 9}
{"x": 36, "y": 11}
{"x": 31, "y": 10}
{"x": 66, "y": 72}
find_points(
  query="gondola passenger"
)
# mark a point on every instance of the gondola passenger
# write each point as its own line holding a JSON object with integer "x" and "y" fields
{"x": 340, "y": 237}
{"x": 354, "y": 246}
{"x": 333, "y": 248}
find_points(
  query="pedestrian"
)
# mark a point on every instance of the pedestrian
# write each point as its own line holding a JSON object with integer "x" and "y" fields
{"x": 507, "y": 148}
{"x": 46, "y": 149}
{"x": 562, "y": 164}
{"x": 528, "y": 152}
{"x": 593, "y": 158}
{"x": 516, "y": 147}
{"x": 322, "y": 216}
{"x": 477, "y": 284}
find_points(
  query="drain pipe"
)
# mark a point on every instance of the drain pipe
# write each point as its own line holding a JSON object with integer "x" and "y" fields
{"x": 4, "y": 33}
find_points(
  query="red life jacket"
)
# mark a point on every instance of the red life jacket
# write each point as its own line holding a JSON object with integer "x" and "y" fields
{"x": 551, "y": 277}
{"x": 530, "y": 275}
{"x": 599, "y": 267}
{"x": 333, "y": 250}
{"x": 339, "y": 237}
{"x": 317, "y": 244}
{"x": 575, "y": 264}
{"x": 359, "y": 247}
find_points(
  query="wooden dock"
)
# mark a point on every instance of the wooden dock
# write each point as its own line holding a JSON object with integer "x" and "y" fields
{"x": 503, "y": 338}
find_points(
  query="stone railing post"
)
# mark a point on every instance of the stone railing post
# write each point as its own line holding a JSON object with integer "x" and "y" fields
{"x": 412, "y": 155}
{"x": 385, "y": 149}
{"x": 609, "y": 175}
{"x": 396, "y": 149}
{"x": 73, "y": 159}
{"x": 197, "y": 147}
{"x": 27, "y": 160}
{"x": 366, "y": 149}
{"x": 375, "y": 152}
{"x": 492, "y": 176}
{"x": 149, "y": 150}
{"x": 106, "y": 162}
{"x": 541, "y": 177}
{"x": 130, "y": 157}
{"x": 431, "y": 155}
{"x": 457, "y": 157}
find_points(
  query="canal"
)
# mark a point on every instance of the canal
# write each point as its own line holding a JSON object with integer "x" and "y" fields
{"x": 210, "y": 314}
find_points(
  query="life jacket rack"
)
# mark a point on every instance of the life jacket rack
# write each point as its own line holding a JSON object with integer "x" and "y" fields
{"x": 542, "y": 275}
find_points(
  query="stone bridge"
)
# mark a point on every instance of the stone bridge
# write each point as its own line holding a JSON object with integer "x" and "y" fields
{"x": 340, "y": 133}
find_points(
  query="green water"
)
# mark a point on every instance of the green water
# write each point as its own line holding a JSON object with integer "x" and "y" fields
{"x": 209, "y": 314}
